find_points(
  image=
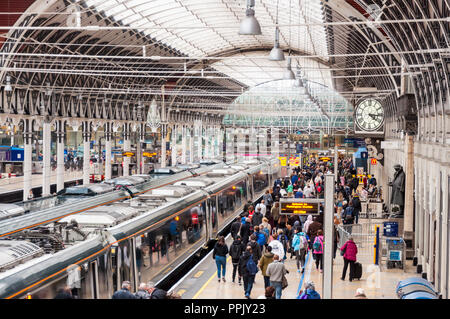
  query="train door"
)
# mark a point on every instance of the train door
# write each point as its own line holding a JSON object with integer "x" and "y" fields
{"x": 115, "y": 262}
{"x": 93, "y": 274}
{"x": 211, "y": 211}
{"x": 133, "y": 267}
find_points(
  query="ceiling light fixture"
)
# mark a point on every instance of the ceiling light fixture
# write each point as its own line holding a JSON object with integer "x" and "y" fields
{"x": 276, "y": 54}
{"x": 288, "y": 74}
{"x": 250, "y": 26}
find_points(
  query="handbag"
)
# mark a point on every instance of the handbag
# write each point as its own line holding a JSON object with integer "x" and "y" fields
{"x": 343, "y": 251}
{"x": 284, "y": 282}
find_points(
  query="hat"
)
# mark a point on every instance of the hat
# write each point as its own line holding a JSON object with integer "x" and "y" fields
{"x": 359, "y": 292}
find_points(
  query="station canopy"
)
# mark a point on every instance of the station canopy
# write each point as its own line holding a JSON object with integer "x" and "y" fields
{"x": 208, "y": 29}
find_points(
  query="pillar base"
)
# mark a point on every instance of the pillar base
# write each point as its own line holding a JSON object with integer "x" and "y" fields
{"x": 419, "y": 269}
{"x": 415, "y": 261}
{"x": 424, "y": 276}
{"x": 408, "y": 237}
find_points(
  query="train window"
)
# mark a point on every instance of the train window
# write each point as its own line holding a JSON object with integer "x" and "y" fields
{"x": 260, "y": 182}
{"x": 104, "y": 271}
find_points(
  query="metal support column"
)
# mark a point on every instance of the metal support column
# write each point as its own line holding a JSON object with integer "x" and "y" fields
{"x": 126, "y": 148}
{"x": 173, "y": 145}
{"x": 328, "y": 238}
{"x": 86, "y": 151}
{"x": 27, "y": 161}
{"x": 108, "y": 153}
{"x": 60, "y": 156}
{"x": 191, "y": 145}
{"x": 163, "y": 145}
{"x": 183, "y": 144}
{"x": 46, "y": 165}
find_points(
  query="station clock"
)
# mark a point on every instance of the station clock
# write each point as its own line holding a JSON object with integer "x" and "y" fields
{"x": 369, "y": 115}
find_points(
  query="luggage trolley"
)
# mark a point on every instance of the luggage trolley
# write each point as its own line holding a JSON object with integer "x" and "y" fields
{"x": 394, "y": 252}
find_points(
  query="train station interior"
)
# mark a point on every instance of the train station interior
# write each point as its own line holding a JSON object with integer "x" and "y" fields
{"x": 140, "y": 138}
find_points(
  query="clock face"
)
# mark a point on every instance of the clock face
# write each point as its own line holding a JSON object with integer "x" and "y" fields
{"x": 369, "y": 115}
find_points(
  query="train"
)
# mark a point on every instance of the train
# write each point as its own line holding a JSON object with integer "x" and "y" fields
{"x": 142, "y": 238}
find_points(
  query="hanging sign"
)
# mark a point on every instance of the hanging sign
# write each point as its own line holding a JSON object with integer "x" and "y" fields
{"x": 128, "y": 154}
{"x": 300, "y": 206}
{"x": 373, "y": 161}
{"x": 148, "y": 154}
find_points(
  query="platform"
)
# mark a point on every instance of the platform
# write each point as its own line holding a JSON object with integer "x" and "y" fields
{"x": 201, "y": 282}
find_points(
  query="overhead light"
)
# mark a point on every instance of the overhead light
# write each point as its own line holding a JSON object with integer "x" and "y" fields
{"x": 250, "y": 26}
{"x": 288, "y": 74}
{"x": 276, "y": 54}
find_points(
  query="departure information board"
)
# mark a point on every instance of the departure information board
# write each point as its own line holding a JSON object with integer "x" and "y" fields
{"x": 299, "y": 206}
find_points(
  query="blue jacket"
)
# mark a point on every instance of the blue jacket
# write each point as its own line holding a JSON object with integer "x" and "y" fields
{"x": 261, "y": 240}
{"x": 309, "y": 294}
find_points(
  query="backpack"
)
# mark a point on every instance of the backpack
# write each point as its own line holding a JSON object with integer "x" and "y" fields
{"x": 251, "y": 266}
{"x": 317, "y": 245}
{"x": 349, "y": 213}
{"x": 283, "y": 240}
{"x": 235, "y": 252}
{"x": 303, "y": 242}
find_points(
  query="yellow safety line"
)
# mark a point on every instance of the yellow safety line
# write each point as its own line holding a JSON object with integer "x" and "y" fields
{"x": 207, "y": 283}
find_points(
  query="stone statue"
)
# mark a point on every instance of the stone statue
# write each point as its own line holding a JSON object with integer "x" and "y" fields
{"x": 398, "y": 188}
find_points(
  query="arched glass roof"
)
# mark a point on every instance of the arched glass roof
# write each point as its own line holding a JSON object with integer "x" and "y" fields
{"x": 281, "y": 104}
{"x": 209, "y": 28}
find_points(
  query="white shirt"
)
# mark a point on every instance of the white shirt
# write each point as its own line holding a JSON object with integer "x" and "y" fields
{"x": 263, "y": 208}
{"x": 277, "y": 248}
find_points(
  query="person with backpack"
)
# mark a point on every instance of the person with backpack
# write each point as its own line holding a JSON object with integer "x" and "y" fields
{"x": 264, "y": 262}
{"x": 349, "y": 251}
{"x": 267, "y": 228}
{"x": 268, "y": 201}
{"x": 282, "y": 238}
{"x": 318, "y": 249}
{"x": 309, "y": 292}
{"x": 248, "y": 270}
{"x": 256, "y": 249}
{"x": 300, "y": 246}
{"x": 220, "y": 256}
{"x": 313, "y": 228}
{"x": 236, "y": 250}
{"x": 348, "y": 214}
{"x": 276, "y": 270}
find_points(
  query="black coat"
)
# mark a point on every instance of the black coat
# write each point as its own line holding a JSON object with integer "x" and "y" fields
{"x": 235, "y": 229}
{"x": 220, "y": 250}
{"x": 243, "y": 263}
{"x": 256, "y": 251}
{"x": 257, "y": 219}
{"x": 245, "y": 232}
{"x": 236, "y": 250}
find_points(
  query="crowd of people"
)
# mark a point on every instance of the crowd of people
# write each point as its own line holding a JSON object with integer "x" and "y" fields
{"x": 263, "y": 239}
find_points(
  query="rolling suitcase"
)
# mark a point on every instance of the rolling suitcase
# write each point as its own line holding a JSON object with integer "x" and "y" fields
{"x": 358, "y": 271}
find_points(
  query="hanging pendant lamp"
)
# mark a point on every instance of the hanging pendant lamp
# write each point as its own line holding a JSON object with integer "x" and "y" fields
{"x": 250, "y": 26}
{"x": 288, "y": 74}
{"x": 276, "y": 54}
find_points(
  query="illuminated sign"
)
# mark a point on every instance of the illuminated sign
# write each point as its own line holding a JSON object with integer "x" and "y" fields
{"x": 373, "y": 161}
{"x": 324, "y": 159}
{"x": 128, "y": 154}
{"x": 294, "y": 161}
{"x": 299, "y": 206}
{"x": 283, "y": 161}
{"x": 147, "y": 154}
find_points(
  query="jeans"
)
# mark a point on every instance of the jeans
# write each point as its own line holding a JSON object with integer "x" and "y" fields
{"x": 266, "y": 281}
{"x": 278, "y": 288}
{"x": 352, "y": 269}
{"x": 221, "y": 262}
{"x": 248, "y": 284}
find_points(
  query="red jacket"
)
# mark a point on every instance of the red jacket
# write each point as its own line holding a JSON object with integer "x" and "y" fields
{"x": 350, "y": 250}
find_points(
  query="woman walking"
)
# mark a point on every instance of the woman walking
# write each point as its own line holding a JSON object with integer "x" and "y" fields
{"x": 220, "y": 256}
{"x": 350, "y": 251}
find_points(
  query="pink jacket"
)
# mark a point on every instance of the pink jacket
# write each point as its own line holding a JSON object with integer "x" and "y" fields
{"x": 350, "y": 250}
